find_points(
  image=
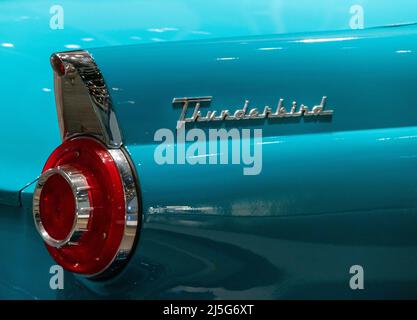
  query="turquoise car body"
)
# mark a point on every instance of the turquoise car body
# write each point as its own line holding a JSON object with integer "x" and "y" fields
{"x": 331, "y": 194}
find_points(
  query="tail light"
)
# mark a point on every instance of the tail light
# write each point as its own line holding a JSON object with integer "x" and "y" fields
{"x": 85, "y": 206}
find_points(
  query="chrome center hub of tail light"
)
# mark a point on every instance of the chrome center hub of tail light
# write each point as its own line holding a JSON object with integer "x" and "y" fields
{"x": 79, "y": 186}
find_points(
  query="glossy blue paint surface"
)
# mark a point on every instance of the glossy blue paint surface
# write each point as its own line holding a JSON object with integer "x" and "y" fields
{"x": 27, "y": 41}
{"x": 292, "y": 232}
{"x": 331, "y": 194}
{"x": 351, "y": 68}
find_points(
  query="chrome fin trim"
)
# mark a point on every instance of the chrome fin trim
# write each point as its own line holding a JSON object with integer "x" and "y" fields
{"x": 83, "y": 101}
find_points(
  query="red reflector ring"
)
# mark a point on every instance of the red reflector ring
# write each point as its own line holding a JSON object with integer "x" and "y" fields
{"x": 85, "y": 206}
{"x": 58, "y": 65}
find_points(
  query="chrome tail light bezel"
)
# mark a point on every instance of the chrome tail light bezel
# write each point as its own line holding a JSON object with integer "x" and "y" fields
{"x": 85, "y": 109}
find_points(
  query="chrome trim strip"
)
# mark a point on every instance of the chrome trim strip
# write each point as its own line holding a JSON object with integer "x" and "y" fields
{"x": 81, "y": 90}
{"x": 132, "y": 203}
{"x": 131, "y": 210}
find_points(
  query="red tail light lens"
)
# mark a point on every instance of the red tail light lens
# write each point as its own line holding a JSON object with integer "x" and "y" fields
{"x": 85, "y": 206}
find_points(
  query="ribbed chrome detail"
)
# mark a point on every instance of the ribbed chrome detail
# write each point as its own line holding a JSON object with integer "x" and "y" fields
{"x": 81, "y": 90}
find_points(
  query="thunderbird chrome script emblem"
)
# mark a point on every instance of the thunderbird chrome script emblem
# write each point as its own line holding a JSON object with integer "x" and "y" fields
{"x": 244, "y": 113}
